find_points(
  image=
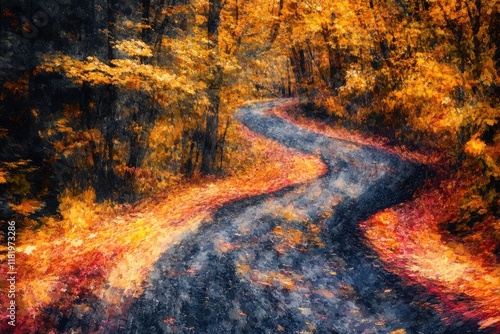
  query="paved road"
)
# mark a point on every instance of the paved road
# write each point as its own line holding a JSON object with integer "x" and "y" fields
{"x": 293, "y": 261}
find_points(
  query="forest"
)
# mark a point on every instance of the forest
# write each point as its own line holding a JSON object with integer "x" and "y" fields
{"x": 113, "y": 110}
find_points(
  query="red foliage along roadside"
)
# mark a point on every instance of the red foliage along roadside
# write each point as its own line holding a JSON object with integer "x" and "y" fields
{"x": 408, "y": 237}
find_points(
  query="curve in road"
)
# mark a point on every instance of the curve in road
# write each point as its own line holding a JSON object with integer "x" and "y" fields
{"x": 293, "y": 261}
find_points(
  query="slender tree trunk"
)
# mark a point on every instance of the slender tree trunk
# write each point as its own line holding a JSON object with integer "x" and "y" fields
{"x": 144, "y": 115}
{"x": 475, "y": 21}
{"x": 146, "y": 7}
{"x": 106, "y": 177}
{"x": 336, "y": 75}
{"x": 335, "y": 69}
{"x": 289, "y": 79}
{"x": 214, "y": 88}
{"x": 299, "y": 67}
{"x": 212, "y": 126}
{"x": 317, "y": 64}
{"x": 190, "y": 163}
{"x": 223, "y": 142}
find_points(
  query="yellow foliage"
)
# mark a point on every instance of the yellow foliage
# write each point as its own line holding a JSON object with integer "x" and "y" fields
{"x": 475, "y": 147}
{"x": 163, "y": 85}
{"x": 134, "y": 48}
{"x": 426, "y": 96}
{"x": 357, "y": 81}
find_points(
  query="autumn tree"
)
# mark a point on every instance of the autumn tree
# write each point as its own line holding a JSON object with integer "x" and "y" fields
{"x": 422, "y": 73}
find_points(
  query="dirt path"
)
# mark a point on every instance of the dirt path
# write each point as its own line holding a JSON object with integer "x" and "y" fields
{"x": 293, "y": 261}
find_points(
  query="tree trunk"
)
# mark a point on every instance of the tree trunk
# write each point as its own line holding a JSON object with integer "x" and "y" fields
{"x": 223, "y": 141}
{"x": 214, "y": 88}
{"x": 212, "y": 125}
{"x": 334, "y": 63}
{"x": 106, "y": 177}
{"x": 138, "y": 138}
{"x": 300, "y": 70}
{"x": 336, "y": 74}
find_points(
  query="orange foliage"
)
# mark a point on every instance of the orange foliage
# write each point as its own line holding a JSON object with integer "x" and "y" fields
{"x": 27, "y": 206}
{"x": 19, "y": 87}
{"x": 3, "y": 176}
{"x": 108, "y": 250}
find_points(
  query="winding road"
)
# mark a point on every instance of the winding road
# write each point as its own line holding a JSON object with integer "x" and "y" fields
{"x": 294, "y": 261}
